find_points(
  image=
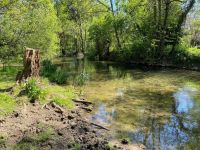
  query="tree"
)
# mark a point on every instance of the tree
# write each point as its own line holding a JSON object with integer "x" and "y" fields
{"x": 28, "y": 24}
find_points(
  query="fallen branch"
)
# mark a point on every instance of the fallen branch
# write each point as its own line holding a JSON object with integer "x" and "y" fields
{"x": 101, "y": 127}
{"x": 87, "y": 109}
{"x": 60, "y": 110}
{"x": 6, "y": 90}
{"x": 82, "y": 101}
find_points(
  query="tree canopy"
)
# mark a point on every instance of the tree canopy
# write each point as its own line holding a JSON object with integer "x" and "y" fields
{"x": 134, "y": 30}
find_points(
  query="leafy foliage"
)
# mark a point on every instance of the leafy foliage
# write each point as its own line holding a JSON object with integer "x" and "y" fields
{"x": 34, "y": 91}
{"x": 81, "y": 79}
{"x": 54, "y": 73}
{"x": 28, "y": 24}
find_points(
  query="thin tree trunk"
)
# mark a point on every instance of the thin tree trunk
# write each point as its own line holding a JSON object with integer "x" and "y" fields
{"x": 116, "y": 32}
{"x": 181, "y": 20}
{"x": 164, "y": 28}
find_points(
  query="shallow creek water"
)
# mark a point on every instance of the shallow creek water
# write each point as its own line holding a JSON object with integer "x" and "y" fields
{"x": 159, "y": 108}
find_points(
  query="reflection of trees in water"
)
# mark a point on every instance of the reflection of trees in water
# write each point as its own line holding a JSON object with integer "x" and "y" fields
{"x": 153, "y": 112}
{"x": 159, "y": 125}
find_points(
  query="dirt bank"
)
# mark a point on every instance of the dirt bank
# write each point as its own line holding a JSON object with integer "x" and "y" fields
{"x": 47, "y": 127}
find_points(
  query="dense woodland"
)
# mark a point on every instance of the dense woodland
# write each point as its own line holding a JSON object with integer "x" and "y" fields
{"x": 138, "y": 31}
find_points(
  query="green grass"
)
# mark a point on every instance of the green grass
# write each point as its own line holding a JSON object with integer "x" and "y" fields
{"x": 40, "y": 89}
{"x": 7, "y": 76}
{"x": 43, "y": 91}
{"x": 7, "y": 104}
{"x": 64, "y": 102}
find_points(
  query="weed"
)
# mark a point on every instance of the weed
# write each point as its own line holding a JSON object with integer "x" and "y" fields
{"x": 34, "y": 91}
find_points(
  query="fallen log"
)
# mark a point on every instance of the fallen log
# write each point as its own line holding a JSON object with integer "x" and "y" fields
{"x": 87, "y": 109}
{"x": 82, "y": 101}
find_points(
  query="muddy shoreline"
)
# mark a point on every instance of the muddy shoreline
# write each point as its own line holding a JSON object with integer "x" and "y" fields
{"x": 70, "y": 129}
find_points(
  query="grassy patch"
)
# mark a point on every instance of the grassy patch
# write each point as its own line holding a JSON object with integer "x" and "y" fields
{"x": 64, "y": 102}
{"x": 32, "y": 142}
{"x": 7, "y": 76}
{"x": 7, "y": 104}
{"x": 44, "y": 92}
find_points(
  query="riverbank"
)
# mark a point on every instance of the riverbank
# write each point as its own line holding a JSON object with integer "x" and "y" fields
{"x": 50, "y": 127}
{"x": 54, "y": 120}
{"x": 33, "y": 126}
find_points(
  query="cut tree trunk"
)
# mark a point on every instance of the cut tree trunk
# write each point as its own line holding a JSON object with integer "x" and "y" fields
{"x": 31, "y": 65}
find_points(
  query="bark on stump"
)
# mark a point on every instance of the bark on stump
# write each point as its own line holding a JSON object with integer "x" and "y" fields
{"x": 31, "y": 65}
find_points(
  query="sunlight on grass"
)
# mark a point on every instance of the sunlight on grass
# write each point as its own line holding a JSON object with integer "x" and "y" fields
{"x": 7, "y": 104}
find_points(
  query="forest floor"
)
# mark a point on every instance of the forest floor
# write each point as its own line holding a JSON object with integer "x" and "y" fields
{"x": 49, "y": 127}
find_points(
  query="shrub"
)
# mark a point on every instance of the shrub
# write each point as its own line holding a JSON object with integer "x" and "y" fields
{"x": 53, "y": 73}
{"x": 48, "y": 68}
{"x": 33, "y": 90}
{"x": 81, "y": 79}
{"x": 7, "y": 104}
{"x": 59, "y": 77}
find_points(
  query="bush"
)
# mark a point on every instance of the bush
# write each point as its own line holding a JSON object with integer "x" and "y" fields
{"x": 48, "y": 68}
{"x": 81, "y": 79}
{"x": 59, "y": 77}
{"x": 53, "y": 73}
{"x": 7, "y": 104}
{"x": 33, "y": 90}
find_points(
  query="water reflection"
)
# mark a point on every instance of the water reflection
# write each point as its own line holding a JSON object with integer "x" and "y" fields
{"x": 184, "y": 99}
{"x": 102, "y": 116}
{"x": 174, "y": 134}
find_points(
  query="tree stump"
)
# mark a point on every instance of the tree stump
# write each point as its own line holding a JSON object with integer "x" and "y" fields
{"x": 31, "y": 65}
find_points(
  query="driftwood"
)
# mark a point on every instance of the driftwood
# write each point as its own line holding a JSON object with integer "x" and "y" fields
{"x": 82, "y": 101}
{"x": 86, "y": 108}
{"x": 59, "y": 109}
{"x": 7, "y": 89}
{"x": 31, "y": 65}
{"x": 99, "y": 126}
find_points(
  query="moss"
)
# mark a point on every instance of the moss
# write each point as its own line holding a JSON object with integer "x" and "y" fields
{"x": 7, "y": 104}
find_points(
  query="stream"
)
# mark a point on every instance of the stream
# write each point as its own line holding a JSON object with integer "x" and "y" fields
{"x": 156, "y": 107}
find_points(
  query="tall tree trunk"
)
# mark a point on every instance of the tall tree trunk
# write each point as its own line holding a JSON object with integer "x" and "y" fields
{"x": 164, "y": 30}
{"x": 155, "y": 11}
{"x": 159, "y": 14}
{"x": 181, "y": 20}
{"x": 116, "y": 32}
